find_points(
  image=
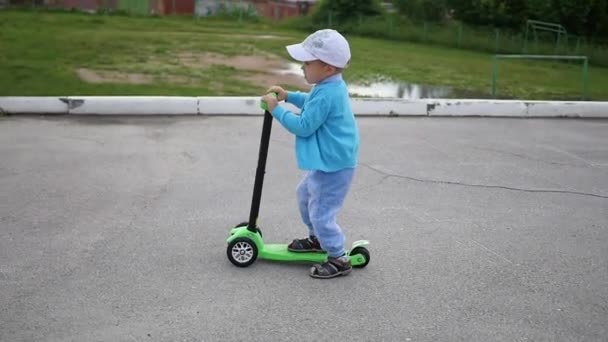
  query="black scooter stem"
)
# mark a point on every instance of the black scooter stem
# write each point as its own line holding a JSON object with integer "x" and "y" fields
{"x": 259, "y": 174}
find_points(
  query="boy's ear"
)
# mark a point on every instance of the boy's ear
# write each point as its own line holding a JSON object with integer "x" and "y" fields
{"x": 331, "y": 68}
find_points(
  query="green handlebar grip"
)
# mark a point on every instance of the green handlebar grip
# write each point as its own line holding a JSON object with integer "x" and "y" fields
{"x": 264, "y": 105}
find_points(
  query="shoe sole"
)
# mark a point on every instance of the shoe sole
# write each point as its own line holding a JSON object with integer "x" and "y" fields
{"x": 338, "y": 274}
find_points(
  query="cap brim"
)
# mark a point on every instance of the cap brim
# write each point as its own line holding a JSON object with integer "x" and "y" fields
{"x": 297, "y": 52}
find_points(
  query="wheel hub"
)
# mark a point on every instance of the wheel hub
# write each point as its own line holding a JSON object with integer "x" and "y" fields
{"x": 242, "y": 252}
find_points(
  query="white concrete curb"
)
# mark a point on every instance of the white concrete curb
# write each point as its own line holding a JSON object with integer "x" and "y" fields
{"x": 391, "y": 107}
{"x": 477, "y": 108}
{"x": 33, "y": 105}
{"x": 511, "y": 108}
{"x": 133, "y": 105}
{"x": 233, "y": 105}
{"x": 241, "y": 105}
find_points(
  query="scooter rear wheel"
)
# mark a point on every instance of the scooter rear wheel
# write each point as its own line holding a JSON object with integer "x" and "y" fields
{"x": 363, "y": 252}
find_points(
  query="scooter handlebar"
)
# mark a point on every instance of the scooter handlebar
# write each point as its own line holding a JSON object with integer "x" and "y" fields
{"x": 264, "y": 105}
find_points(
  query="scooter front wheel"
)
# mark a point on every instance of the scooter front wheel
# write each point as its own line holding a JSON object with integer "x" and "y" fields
{"x": 242, "y": 252}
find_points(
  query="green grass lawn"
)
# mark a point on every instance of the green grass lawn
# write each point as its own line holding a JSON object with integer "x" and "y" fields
{"x": 42, "y": 52}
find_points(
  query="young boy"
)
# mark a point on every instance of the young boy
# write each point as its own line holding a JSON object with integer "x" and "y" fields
{"x": 327, "y": 145}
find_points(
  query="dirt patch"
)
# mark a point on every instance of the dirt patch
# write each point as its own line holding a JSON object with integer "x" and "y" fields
{"x": 178, "y": 79}
{"x": 254, "y": 37}
{"x": 260, "y": 70}
{"x": 103, "y": 76}
{"x": 242, "y": 62}
{"x": 266, "y": 67}
{"x": 266, "y": 80}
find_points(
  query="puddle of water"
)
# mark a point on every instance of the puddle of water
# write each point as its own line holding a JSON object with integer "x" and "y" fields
{"x": 401, "y": 90}
{"x": 382, "y": 88}
{"x": 267, "y": 36}
{"x": 292, "y": 68}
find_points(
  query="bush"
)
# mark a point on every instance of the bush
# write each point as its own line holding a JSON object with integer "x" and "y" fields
{"x": 342, "y": 11}
{"x": 423, "y": 10}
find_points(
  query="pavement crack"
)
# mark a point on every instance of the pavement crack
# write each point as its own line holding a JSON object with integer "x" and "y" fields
{"x": 527, "y": 157}
{"x": 371, "y": 186}
{"x": 485, "y": 186}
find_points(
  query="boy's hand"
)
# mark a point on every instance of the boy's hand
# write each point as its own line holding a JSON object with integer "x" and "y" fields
{"x": 271, "y": 101}
{"x": 281, "y": 93}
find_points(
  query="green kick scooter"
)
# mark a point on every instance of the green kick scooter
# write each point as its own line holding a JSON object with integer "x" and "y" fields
{"x": 245, "y": 243}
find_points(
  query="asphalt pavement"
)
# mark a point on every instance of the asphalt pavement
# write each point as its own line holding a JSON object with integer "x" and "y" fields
{"x": 481, "y": 229}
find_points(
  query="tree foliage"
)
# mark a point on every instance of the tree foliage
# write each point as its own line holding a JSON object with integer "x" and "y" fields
{"x": 582, "y": 17}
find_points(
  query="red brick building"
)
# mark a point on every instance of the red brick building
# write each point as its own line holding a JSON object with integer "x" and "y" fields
{"x": 180, "y": 7}
{"x": 281, "y": 9}
{"x": 272, "y": 9}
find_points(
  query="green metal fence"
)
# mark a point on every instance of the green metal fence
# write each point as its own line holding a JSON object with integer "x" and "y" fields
{"x": 538, "y": 38}
{"x": 534, "y": 27}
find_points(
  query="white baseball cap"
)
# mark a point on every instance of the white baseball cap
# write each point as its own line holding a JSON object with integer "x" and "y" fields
{"x": 326, "y": 45}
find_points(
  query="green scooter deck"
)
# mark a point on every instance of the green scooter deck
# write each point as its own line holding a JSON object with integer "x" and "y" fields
{"x": 279, "y": 252}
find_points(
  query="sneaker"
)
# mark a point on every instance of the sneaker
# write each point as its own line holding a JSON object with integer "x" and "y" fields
{"x": 309, "y": 244}
{"x": 332, "y": 268}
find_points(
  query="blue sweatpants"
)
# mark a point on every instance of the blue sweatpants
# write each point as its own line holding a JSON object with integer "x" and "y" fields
{"x": 320, "y": 198}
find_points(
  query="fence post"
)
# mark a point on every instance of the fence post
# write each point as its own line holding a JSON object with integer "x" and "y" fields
{"x": 585, "y": 73}
{"x": 494, "y": 76}
{"x": 425, "y": 32}
{"x": 524, "y": 48}
{"x": 240, "y": 11}
{"x": 497, "y": 40}
{"x": 460, "y": 35}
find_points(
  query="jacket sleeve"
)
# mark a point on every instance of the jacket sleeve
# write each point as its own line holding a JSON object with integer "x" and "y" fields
{"x": 296, "y": 98}
{"x": 305, "y": 124}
